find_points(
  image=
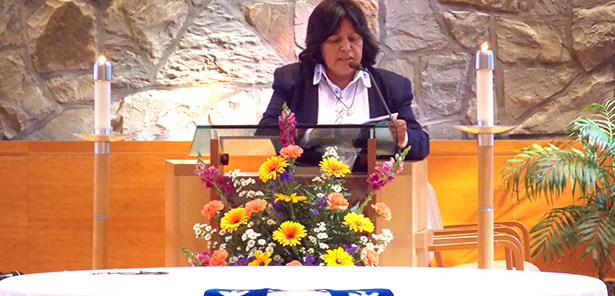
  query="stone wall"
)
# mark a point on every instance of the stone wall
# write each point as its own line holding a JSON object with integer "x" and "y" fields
{"x": 178, "y": 63}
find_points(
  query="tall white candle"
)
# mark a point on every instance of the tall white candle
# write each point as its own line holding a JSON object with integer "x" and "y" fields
{"x": 484, "y": 85}
{"x": 102, "y": 96}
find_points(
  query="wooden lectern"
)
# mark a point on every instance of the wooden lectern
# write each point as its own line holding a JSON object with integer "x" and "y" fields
{"x": 406, "y": 196}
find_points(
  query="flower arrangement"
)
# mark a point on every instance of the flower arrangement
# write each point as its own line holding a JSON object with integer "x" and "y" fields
{"x": 288, "y": 223}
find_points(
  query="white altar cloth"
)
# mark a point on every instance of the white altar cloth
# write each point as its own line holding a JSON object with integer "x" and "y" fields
{"x": 410, "y": 281}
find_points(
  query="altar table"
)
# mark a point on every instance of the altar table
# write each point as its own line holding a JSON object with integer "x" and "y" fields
{"x": 193, "y": 281}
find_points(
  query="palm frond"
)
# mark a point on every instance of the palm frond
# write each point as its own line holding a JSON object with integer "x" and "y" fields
{"x": 555, "y": 232}
{"x": 546, "y": 171}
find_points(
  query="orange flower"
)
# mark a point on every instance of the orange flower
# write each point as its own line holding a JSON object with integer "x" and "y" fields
{"x": 218, "y": 257}
{"x": 255, "y": 206}
{"x": 336, "y": 201}
{"x": 293, "y": 151}
{"x": 383, "y": 210}
{"x": 211, "y": 208}
{"x": 294, "y": 263}
{"x": 369, "y": 257}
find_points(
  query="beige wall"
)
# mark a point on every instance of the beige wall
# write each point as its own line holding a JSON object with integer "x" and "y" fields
{"x": 178, "y": 63}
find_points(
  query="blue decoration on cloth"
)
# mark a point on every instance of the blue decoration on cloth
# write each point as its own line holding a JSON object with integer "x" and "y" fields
{"x": 264, "y": 292}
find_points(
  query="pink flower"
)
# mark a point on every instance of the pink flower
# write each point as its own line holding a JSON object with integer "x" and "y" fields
{"x": 287, "y": 123}
{"x": 203, "y": 257}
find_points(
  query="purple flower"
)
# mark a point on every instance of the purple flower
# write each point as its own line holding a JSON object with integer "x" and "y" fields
{"x": 309, "y": 260}
{"x": 315, "y": 211}
{"x": 285, "y": 176}
{"x": 241, "y": 262}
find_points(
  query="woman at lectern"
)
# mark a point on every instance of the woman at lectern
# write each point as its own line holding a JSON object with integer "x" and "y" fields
{"x": 331, "y": 83}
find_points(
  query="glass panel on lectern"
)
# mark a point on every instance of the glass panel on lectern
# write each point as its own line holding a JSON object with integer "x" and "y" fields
{"x": 350, "y": 140}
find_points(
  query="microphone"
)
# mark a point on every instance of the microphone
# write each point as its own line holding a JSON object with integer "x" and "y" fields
{"x": 357, "y": 66}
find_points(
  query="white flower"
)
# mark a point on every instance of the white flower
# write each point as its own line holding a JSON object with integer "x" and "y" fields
{"x": 208, "y": 228}
{"x": 222, "y": 232}
{"x": 251, "y": 194}
{"x": 232, "y": 260}
{"x": 317, "y": 179}
{"x": 337, "y": 188}
{"x": 208, "y": 236}
{"x": 228, "y": 238}
{"x": 270, "y": 222}
{"x": 244, "y": 236}
{"x": 322, "y": 226}
{"x": 254, "y": 235}
{"x": 316, "y": 230}
{"x": 330, "y": 152}
{"x": 250, "y": 225}
{"x": 251, "y": 243}
{"x": 277, "y": 258}
{"x": 269, "y": 249}
{"x": 322, "y": 235}
{"x": 196, "y": 227}
{"x": 320, "y": 195}
{"x": 363, "y": 239}
{"x": 323, "y": 246}
{"x": 262, "y": 242}
{"x": 258, "y": 193}
{"x": 242, "y": 194}
{"x": 311, "y": 250}
{"x": 312, "y": 239}
{"x": 222, "y": 246}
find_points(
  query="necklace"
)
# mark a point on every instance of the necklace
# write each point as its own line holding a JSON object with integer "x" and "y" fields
{"x": 339, "y": 98}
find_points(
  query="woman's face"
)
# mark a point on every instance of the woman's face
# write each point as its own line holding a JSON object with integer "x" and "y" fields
{"x": 340, "y": 48}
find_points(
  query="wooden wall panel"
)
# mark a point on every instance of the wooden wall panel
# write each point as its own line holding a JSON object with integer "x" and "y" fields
{"x": 13, "y": 206}
{"x": 46, "y": 191}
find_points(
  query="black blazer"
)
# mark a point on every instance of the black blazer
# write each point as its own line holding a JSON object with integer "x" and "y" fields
{"x": 293, "y": 84}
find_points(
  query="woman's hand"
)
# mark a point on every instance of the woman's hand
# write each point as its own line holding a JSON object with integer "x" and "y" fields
{"x": 401, "y": 127}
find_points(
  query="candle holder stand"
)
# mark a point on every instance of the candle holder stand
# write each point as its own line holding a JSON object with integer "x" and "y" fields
{"x": 485, "y": 141}
{"x": 102, "y": 151}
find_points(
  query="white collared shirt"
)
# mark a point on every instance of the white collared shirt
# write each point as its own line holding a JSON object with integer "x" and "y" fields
{"x": 335, "y": 106}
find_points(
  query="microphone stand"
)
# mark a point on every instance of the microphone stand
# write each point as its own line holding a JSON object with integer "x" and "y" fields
{"x": 357, "y": 66}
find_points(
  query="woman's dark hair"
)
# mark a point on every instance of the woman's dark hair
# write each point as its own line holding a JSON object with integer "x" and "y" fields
{"x": 324, "y": 22}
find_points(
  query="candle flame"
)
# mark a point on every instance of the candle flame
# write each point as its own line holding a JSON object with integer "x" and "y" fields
{"x": 484, "y": 47}
{"x": 102, "y": 59}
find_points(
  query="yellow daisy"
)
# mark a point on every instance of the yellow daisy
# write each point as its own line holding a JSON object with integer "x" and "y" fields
{"x": 289, "y": 234}
{"x": 358, "y": 222}
{"x": 271, "y": 167}
{"x": 294, "y": 198}
{"x": 262, "y": 259}
{"x": 334, "y": 167}
{"x": 233, "y": 218}
{"x": 338, "y": 257}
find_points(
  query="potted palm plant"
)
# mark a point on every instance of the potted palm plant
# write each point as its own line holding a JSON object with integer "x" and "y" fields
{"x": 586, "y": 168}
